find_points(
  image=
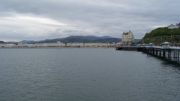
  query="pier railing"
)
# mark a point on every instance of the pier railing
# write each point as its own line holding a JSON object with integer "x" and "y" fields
{"x": 168, "y": 53}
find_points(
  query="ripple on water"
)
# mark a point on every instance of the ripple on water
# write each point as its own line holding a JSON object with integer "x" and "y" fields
{"x": 86, "y": 75}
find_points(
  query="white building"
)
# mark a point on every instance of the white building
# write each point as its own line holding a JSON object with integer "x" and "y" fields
{"x": 173, "y": 26}
{"x": 127, "y": 38}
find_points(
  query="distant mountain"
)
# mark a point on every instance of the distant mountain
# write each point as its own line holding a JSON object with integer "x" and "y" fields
{"x": 83, "y": 39}
{"x": 1, "y": 42}
{"x": 28, "y": 42}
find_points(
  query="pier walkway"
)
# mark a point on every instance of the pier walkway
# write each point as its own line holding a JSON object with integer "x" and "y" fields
{"x": 168, "y": 53}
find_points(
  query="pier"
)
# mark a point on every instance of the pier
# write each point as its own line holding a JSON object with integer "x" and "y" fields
{"x": 168, "y": 53}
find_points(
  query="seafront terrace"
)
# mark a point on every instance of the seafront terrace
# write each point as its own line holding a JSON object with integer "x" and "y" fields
{"x": 48, "y": 45}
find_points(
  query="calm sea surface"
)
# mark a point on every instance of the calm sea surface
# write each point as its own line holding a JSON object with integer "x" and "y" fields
{"x": 86, "y": 75}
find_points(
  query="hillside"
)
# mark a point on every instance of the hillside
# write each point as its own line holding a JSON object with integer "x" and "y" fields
{"x": 83, "y": 39}
{"x": 159, "y": 35}
{"x": 1, "y": 42}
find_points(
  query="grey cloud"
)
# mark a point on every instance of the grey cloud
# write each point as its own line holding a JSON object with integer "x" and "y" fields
{"x": 97, "y": 17}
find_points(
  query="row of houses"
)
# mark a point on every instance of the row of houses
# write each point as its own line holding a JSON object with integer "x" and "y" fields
{"x": 41, "y": 45}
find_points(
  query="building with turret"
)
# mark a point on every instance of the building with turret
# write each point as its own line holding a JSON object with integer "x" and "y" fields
{"x": 127, "y": 38}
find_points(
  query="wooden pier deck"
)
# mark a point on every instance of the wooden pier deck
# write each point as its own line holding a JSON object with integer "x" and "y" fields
{"x": 168, "y": 53}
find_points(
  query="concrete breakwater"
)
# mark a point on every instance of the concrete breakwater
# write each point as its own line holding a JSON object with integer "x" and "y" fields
{"x": 167, "y": 53}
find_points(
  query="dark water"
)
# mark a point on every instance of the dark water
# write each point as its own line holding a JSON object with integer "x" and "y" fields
{"x": 85, "y": 75}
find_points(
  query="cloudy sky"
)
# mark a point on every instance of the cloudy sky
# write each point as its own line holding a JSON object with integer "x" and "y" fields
{"x": 42, "y": 19}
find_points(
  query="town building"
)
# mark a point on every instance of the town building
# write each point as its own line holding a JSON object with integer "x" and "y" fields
{"x": 127, "y": 38}
{"x": 172, "y": 26}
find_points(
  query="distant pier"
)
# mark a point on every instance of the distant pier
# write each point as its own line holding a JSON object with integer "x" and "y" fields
{"x": 167, "y": 53}
{"x": 128, "y": 48}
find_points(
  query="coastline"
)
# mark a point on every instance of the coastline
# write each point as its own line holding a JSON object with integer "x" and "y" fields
{"x": 55, "y": 45}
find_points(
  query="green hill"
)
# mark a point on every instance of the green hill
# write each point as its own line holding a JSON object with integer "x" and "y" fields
{"x": 160, "y": 35}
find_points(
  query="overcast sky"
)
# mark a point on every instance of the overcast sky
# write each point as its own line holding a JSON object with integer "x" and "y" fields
{"x": 42, "y": 19}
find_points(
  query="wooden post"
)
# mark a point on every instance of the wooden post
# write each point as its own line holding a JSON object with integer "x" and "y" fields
{"x": 164, "y": 53}
{"x": 169, "y": 54}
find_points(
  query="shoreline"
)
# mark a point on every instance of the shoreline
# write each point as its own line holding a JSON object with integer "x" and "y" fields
{"x": 49, "y": 47}
{"x": 60, "y": 45}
